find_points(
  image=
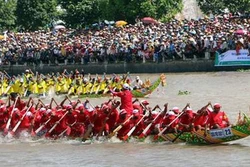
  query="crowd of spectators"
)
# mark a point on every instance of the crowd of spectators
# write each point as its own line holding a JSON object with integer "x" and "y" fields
{"x": 139, "y": 43}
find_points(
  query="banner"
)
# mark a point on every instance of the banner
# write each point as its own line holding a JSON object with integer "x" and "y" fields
{"x": 221, "y": 133}
{"x": 230, "y": 58}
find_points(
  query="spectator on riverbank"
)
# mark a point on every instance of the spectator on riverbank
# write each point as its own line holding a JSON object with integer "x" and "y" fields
{"x": 175, "y": 40}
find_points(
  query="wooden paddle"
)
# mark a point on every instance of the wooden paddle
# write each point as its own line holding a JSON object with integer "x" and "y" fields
{"x": 143, "y": 134}
{"x": 61, "y": 134}
{"x": 20, "y": 121}
{"x": 25, "y": 92}
{"x": 6, "y": 129}
{"x": 55, "y": 125}
{"x": 8, "y": 76}
{"x": 93, "y": 86}
{"x": 119, "y": 127}
{"x": 41, "y": 127}
{"x": 163, "y": 130}
{"x": 104, "y": 122}
{"x": 91, "y": 125}
{"x": 180, "y": 133}
{"x": 134, "y": 127}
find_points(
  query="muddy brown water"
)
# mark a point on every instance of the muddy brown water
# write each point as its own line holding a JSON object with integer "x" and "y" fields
{"x": 231, "y": 89}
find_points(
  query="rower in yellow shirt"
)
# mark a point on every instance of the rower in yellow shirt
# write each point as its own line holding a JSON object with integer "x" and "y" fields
{"x": 86, "y": 86}
{"x": 32, "y": 86}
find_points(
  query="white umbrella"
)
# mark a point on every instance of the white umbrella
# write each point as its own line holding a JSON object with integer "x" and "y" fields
{"x": 59, "y": 22}
{"x": 57, "y": 27}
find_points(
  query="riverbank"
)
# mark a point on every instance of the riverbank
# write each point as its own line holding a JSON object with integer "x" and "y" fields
{"x": 95, "y": 68}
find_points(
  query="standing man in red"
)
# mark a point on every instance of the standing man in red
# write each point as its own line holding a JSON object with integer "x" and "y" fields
{"x": 126, "y": 98}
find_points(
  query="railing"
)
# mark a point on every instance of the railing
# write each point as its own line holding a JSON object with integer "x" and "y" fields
{"x": 97, "y": 58}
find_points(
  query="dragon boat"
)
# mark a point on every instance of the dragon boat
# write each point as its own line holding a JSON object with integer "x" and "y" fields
{"x": 213, "y": 136}
{"x": 143, "y": 92}
{"x": 201, "y": 137}
{"x": 94, "y": 91}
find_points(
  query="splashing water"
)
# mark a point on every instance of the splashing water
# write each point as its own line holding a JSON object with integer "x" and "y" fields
{"x": 51, "y": 92}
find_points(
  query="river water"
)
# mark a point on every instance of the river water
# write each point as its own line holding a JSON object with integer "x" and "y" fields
{"x": 231, "y": 89}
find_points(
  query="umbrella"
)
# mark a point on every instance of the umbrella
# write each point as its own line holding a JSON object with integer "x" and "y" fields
{"x": 57, "y": 27}
{"x": 59, "y": 22}
{"x": 240, "y": 32}
{"x": 109, "y": 22}
{"x": 106, "y": 22}
{"x": 149, "y": 20}
{"x": 1, "y": 37}
{"x": 112, "y": 22}
{"x": 120, "y": 23}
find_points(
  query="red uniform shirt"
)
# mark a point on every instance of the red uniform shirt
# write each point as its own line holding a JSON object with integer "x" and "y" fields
{"x": 126, "y": 100}
{"x": 201, "y": 120}
{"x": 113, "y": 118}
{"x": 219, "y": 118}
{"x": 138, "y": 107}
{"x": 170, "y": 119}
{"x": 99, "y": 121}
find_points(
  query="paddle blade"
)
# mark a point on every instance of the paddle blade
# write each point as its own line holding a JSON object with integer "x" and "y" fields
{"x": 10, "y": 135}
{"x": 12, "y": 132}
{"x": 5, "y": 132}
{"x": 141, "y": 136}
{"x": 125, "y": 138}
{"x": 33, "y": 134}
{"x": 156, "y": 137}
{"x": 111, "y": 135}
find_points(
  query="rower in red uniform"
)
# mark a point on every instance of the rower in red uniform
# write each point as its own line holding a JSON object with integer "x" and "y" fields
{"x": 156, "y": 118}
{"x": 20, "y": 104}
{"x": 37, "y": 121}
{"x": 100, "y": 124}
{"x": 218, "y": 118}
{"x": 114, "y": 115}
{"x": 170, "y": 118}
{"x": 138, "y": 107}
{"x": 142, "y": 106}
{"x": 15, "y": 117}
{"x": 55, "y": 117}
{"x": 186, "y": 120}
{"x": 126, "y": 127}
{"x": 145, "y": 106}
{"x": 91, "y": 115}
{"x": 201, "y": 119}
{"x": 3, "y": 115}
{"x": 80, "y": 126}
{"x": 70, "y": 121}
{"x": 176, "y": 110}
{"x": 126, "y": 98}
{"x": 26, "y": 122}
{"x": 134, "y": 120}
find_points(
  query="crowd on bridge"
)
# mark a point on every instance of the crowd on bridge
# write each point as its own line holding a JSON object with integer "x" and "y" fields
{"x": 159, "y": 42}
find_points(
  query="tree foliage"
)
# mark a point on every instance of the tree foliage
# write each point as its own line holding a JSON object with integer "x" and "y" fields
{"x": 35, "y": 14}
{"x": 215, "y": 6}
{"x": 89, "y": 11}
{"x": 7, "y": 13}
{"x": 80, "y": 12}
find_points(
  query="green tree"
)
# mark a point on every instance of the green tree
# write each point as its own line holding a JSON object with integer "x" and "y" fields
{"x": 84, "y": 12}
{"x": 35, "y": 14}
{"x": 166, "y": 9}
{"x": 80, "y": 12}
{"x": 215, "y": 6}
{"x": 7, "y": 13}
{"x": 129, "y": 9}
